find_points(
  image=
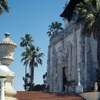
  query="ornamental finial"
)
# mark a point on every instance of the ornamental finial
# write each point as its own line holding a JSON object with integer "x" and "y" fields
{"x": 7, "y": 35}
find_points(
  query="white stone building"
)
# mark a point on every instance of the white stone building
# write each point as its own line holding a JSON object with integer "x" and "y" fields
{"x": 68, "y": 51}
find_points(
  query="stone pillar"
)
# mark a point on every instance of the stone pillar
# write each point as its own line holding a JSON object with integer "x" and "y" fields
{"x": 74, "y": 57}
{"x": 55, "y": 79}
{"x": 75, "y": 48}
{"x": 50, "y": 80}
{"x": 53, "y": 58}
{"x": 87, "y": 66}
{"x": 48, "y": 67}
{"x": 2, "y": 89}
{"x": 86, "y": 62}
{"x": 50, "y": 86}
{"x": 48, "y": 72}
{"x": 60, "y": 80}
{"x": 79, "y": 87}
{"x": 69, "y": 61}
{"x": 93, "y": 58}
{"x": 82, "y": 56}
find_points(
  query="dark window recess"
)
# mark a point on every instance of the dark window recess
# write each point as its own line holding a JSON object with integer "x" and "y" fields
{"x": 64, "y": 79}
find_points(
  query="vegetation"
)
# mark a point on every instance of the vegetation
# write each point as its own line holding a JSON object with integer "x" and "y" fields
{"x": 54, "y": 27}
{"x": 39, "y": 87}
{"x": 31, "y": 57}
{"x": 47, "y": 88}
{"x": 44, "y": 77}
{"x": 26, "y": 80}
{"x": 26, "y": 42}
{"x": 4, "y": 6}
{"x": 89, "y": 12}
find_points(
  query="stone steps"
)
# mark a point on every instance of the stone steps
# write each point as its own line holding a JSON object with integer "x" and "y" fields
{"x": 33, "y": 95}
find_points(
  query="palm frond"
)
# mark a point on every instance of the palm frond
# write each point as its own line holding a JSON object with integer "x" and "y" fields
{"x": 26, "y": 63}
{"x": 89, "y": 11}
{"x": 40, "y": 55}
{"x": 39, "y": 60}
{"x": 4, "y": 6}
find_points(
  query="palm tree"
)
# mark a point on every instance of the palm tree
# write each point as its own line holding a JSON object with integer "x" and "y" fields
{"x": 89, "y": 12}
{"x": 34, "y": 58}
{"x": 27, "y": 41}
{"x": 4, "y": 6}
{"x": 25, "y": 55}
{"x": 54, "y": 27}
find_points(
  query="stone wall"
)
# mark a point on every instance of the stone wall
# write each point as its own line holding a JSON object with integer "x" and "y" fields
{"x": 71, "y": 50}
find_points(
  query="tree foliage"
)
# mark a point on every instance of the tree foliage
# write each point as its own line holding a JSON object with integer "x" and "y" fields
{"x": 39, "y": 87}
{"x": 26, "y": 42}
{"x": 44, "y": 77}
{"x": 26, "y": 80}
{"x": 33, "y": 57}
{"x": 54, "y": 27}
{"x": 89, "y": 12}
{"x": 4, "y": 6}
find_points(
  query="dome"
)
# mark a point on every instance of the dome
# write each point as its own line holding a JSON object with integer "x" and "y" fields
{"x": 7, "y": 40}
{"x": 4, "y": 70}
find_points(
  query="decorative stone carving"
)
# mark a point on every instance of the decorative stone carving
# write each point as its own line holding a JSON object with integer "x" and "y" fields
{"x": 95, "y": 86}
{"x": 62, "y": 58}
{"x": 7, "y": 50}
{"x": 6, "y": 57}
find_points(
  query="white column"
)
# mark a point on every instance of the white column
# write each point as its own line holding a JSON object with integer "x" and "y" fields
{"x": 79, "y": 84}
{"x": 2, "y": 88}
{"x": 79, "y": 87}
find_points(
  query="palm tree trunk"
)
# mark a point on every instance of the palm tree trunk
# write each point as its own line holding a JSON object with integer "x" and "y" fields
{"x": 25, "y": 75}
{"x": 98, "y": 49}
{"x": 32, "y": 77}
{"x": 25, "y": 71}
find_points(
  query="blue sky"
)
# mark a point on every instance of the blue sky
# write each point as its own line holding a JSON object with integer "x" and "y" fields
{"x": 32, "y": 17}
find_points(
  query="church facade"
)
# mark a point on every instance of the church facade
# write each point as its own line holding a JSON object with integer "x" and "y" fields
{"x": 68, "y": 51}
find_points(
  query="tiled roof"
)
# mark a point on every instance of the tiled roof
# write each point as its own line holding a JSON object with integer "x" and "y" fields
{"x": 33, "y": 95}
